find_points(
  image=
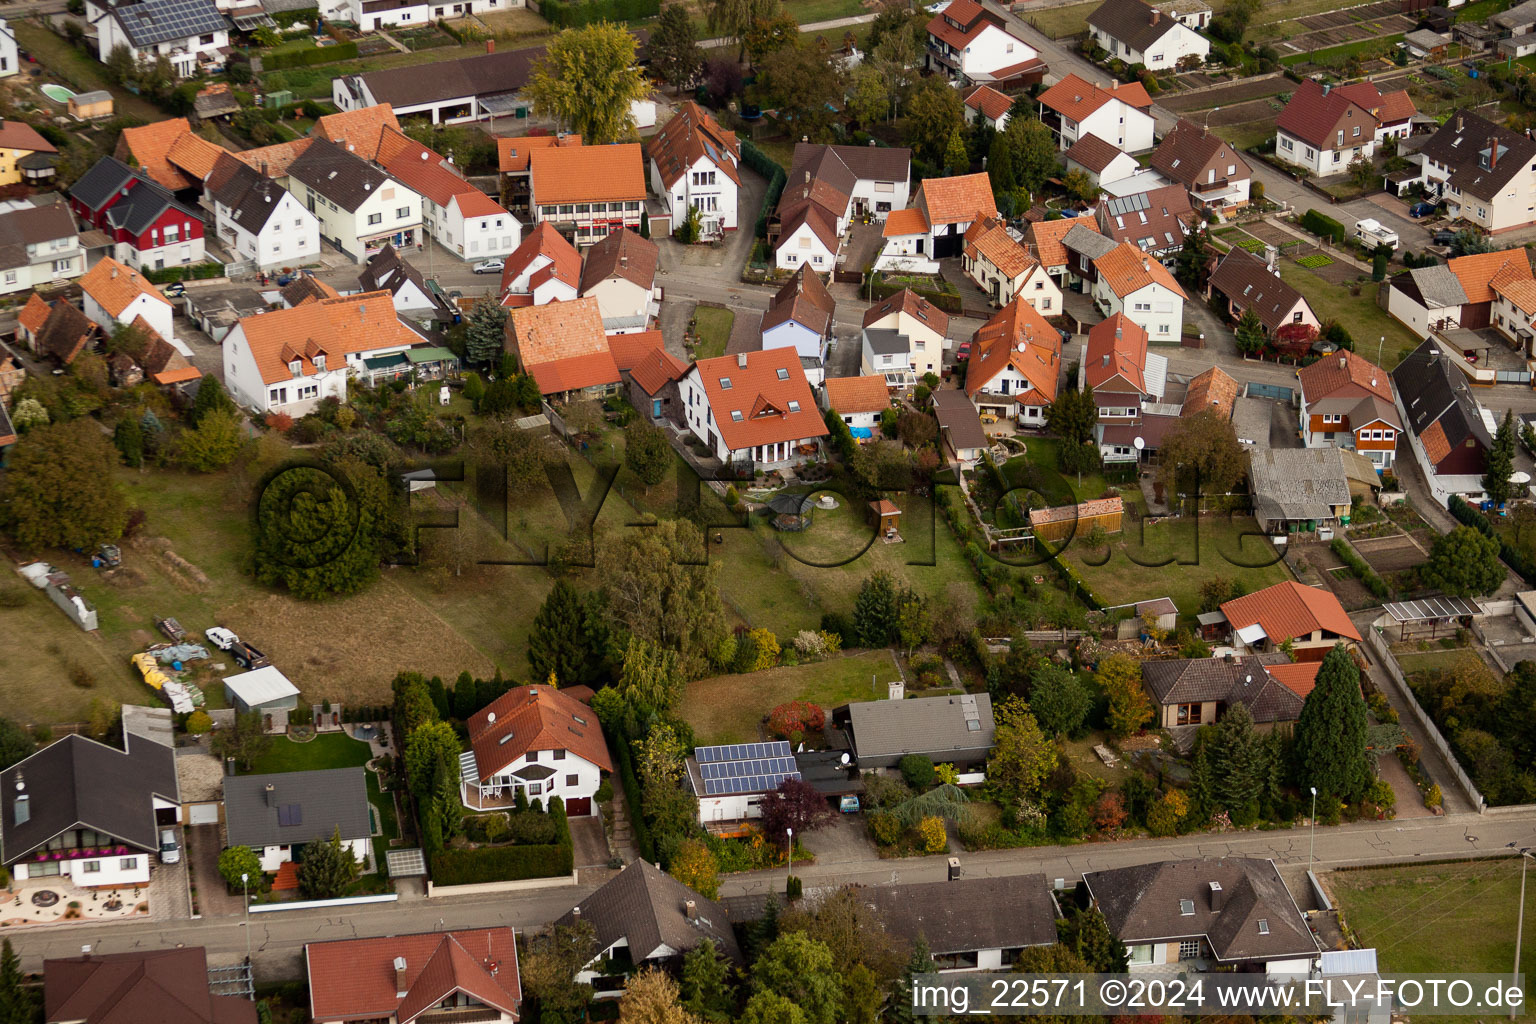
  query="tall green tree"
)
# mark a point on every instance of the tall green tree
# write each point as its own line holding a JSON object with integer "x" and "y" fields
{"x": 1034, "y": 153}
{"x": 804, "y": 82}
{"x": 128, "y": 438}
{"x": 1087, "y": 934}
{"x": 549, "y": 966}
{"x": 485, "y": 335}
{"x": 706, "y": 988}
{"x": 213, "y": 443}
{"x": 246, "y": 741}
{"x": 647, "y": 452}
{"x": 1249, "y": 332}
{"x": 236, "y": 861}
{"x": 1060, "y": 701}
{"x": 674, "y": 47}
{"x": 933, "y": 113}
{"x": 431, "y": 747}
{"x": 60, "y": 491}
{"x": 319, "y": 535}
{"x": 16, "y": 744}
{"x": 1463, "y": 563}
{"x": 326, "y": 869}
{"x": 657, "y": 589}
{"x": 211, "y": 397}
{"x": 650, "y": 680}
{"x": 1022, "y": 756}
{"x": 18, "y": 1004}
{"x": 734, "y": 18}
{"x": 771, "y": 1008}
{"x": 587, "y": 81}
{"x": 1202, "y": 451}
{"x": 1194, "y": 256}
{"x": 1331, "y": 732}
{"x": 1073, "y": 415}
{"x": 877, "y": 610}
{"x": 902, "y": 1008}
{"x": 569, "y": 638}
{"x": 1500, "y": 465}
{"x": 1000, "y": 165}
{"x": 801, "y": 970}
{"x": 956, "y": 159}
{"x": 1237, "y": 764}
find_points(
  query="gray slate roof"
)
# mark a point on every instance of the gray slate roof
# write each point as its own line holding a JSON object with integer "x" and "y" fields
{"x": 646, "y": 905}
{"x": 79, "y": 783}
{"x": 923, "y": 725}
{"x": 1431, "y": 390}
{"x": 146, "y": 200}
{"x": 1298, "y": 483}
{"x": 1142, "y": 904}
{"x": 341, "y": 177}
{"x": 885, "y": 341}
{"x": 1462, "y": 144}
{"x": 1131, "y": 22}
{"x": 958, "y": 420}
{"x": 1515, "y": 17}
{"x": 1240, "y": 681}
{"x": 1438, "y": 286}
{"x": 327, "y": 799}
{"x": 251, "y": 196}
{"x": 33, "y": 226}
{"x": 968, "y": 914}
{"x": 1088, "y": 242}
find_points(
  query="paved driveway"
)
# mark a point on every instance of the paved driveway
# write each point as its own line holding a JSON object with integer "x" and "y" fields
{"x": 213, "y": 897}
{"x": 591, "y": 845}
{"x": 169, "y": 899}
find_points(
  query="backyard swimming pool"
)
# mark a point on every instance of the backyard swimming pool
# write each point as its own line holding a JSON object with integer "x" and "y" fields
{"x": 57, "y": 93}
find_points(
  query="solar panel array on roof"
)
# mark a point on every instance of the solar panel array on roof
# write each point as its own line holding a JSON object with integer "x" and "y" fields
{"x": 290, "y": 814}
{"x": 158, "y": 21}
{"x": 745, "y": 767}
{"x": 1119, "y": 205}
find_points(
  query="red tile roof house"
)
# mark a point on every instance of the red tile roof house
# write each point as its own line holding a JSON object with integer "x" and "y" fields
{"x": 1309, "y": 617}
{"x": 1134, "y": 283}
{"x": 1015, "y": 365}
{"x": 1099, "y": 160}
{"x": 859, "y": 401}
{"x": 801, "y": 316}
{"x": 588, "y": 191}
{"x": 1003, "y": 268}
{"x": 545, "y": 268}
{"x": 695, "y": 162}
{"x": 969, "y": 43}
{"x": 1120, "y": 370}
{"x": 563, "y": 346}
{"x": 1324, "y": 129}
{"x": 1347, "y": 402}
{"x": 1119, "y": 114}
{"x": 156, "y": 986}
{"x": 753, "y": 409}
{"x": 538, "y": 740}
{"x": 827, "y": 186}
{"x": 653, "y": 387}
{"x": 114, "y": 294}
{"x": 986, "y": 104}
{"x": 950, "y": 206}
{"x": 1247, "y": 282}
{"x": 399, "y": 979}
{"x": 1210, "y": 168}
{"x": 148, "y": 227}
{"x": 463, "y": 219}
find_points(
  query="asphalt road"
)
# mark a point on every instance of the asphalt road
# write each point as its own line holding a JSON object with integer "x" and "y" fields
{"x": 277, "y": 939}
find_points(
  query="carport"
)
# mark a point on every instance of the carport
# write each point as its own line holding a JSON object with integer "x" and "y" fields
{"x": 1429, "y": 617}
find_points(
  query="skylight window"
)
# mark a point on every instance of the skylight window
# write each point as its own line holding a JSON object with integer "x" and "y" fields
{"x": 783, "y": 374}
{"x": 1186, "y": 908}
{"x": 725, "y": 383}
{"x": 736, "y": 416}
{"x": 794, "y": 406}
{"x": 1263, "y": 926}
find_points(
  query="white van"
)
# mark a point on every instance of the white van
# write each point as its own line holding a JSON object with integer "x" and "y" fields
{"x": 1372, "y": 233}
{"x": 170, "y": 849}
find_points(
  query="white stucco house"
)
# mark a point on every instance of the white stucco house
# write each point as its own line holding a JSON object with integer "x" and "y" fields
{"x": 192, "y": 34}
{"x": 859, "y": 401}
{"x": 463, "y": 219}
{"x": 1004, "y": 269}
{"x": 827, "y": 187}
{"x": 1139, "y": 33}
{"x": 8, "y": 55}
{"x": 968, "y": 43}
{"x": 904, "y": 338}
{"x": 113, "y": 294}
{"x": 545, "y": 268}
{"x": 1325, "y": 129}
{"x": 1131, "y": 282}
{"x": 693, "y": 161}
{"x": 801, "y": 317}
{"x": 537, "y": 740}
{"x": 274, "y": 815}
{"x": 257, "y": 219}
{"x": 1121, "y": 115}
{"x": 360, "y": 208}
{"x": 753, "y": 408}
{"x": 287, "y": 360}
{"x": 41, "y": 243}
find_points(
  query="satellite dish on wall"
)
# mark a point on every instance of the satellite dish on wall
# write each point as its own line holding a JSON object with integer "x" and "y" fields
{"x": 1140, "y": 443}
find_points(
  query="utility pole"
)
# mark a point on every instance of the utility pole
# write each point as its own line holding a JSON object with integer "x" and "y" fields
{"x": 246, "y": 889}
{"x": 1525, "y": 857}
{"x": 1312, "y": 846}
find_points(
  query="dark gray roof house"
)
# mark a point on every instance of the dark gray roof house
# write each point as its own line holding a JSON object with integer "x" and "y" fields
{"x": 291, "y": 808}
{"x": 653, "y": 915}
{"x": 147, "y": 22}
{"x": 1236, "y": 910}
{"x": 1464, "y": 144}
{"x": 78, "y": 783}
{"x": 956, "y": 729}
{"x": 24, "y": 232}
{"x": 251, "y": 197}
{"x": 969, "y": 922}
{"x": 1134, "y": 23}
{"x": 345, "y": 179}
{"x": 144, "y": 202}
{"x": 1442, "y": 414}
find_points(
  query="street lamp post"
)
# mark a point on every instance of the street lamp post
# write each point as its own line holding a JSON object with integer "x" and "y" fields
{"x": 1312, "y": 845}
{"x": 789, "y": 856}
{"x": 246, "y": 889}
{"x": 1525, "y": 857}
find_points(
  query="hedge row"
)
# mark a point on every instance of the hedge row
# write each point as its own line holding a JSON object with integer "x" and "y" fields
{"x": 304, "y": 58}
{"x": 949, "y": 302}
{"x": 508, "y": 863}
{"x": 1324, "y": 227}
{"x": 288, "y": 19}
{"x": 1511, "y": 557}
{"x": 1362, "y": 569}
{"x": 632, "y": 796}
{"x": 568, "y": 15}
{"x": 770, "y": 169}
{"x": 196, "y": 272}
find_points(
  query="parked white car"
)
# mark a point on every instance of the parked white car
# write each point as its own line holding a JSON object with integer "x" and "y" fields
{"x": 221, "y": 638}
{"x": 489, "y": 267}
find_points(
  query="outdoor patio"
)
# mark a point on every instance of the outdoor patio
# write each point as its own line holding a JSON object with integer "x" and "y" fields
{"x": 48, "y": 901}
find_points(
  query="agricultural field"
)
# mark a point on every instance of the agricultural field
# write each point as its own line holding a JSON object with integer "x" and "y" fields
{"x": 722, "y": 711}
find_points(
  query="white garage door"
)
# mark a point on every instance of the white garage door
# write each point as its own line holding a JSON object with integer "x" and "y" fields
{"x": 202, "y": 814}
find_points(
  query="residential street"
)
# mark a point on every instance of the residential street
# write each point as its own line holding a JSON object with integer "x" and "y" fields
{"x": 277, "y": 939}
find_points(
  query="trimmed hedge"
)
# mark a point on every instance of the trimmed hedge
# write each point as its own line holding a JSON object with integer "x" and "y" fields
{"x": 196, "y": 272}
{"x": 508, "y": 863}
{"x": 777, "y": 177}
{"x": 1362, "y": 570}
{"x": 632, "y": 795}
{"x": 568, "y": 15}
{"x": 288, "y": 19}
{"x": 304, "y": 58}
{"x": 879, "y": 288}
{"x": 1324, "y": 227}
{"x": 1469, "y": 516}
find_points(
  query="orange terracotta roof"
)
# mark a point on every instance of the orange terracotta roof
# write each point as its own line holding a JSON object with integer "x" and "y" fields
{"x": 905, "y": 222}
{"x": 335, "y": 328}
{"x": 1435, "y": 443}
{"x": 1127, "y": 269}
{"x": 535, "y": 718}
{"x": 34, "y": 313}
{"x": 1300, "y": 677}
{"x": 1344, "y": 373}
{"x": 512, "y": 155}
{"x": 1214, "y": 389}
{"x": 1087, "y": 510}
{"x": 1476, "y": 272}
{"x": 356, "y": 979}
{"x": 850, "y": 395}
{"x": 195, "y": 155}
{"x": 1289, "y": 610}
{"x": 475, "y": 203}
{"x": 273, "y": 161}
{"x": 1046, "y": 235}
{"x": 1019, "y": 336}
{"x": 544, "y": 240}
{"x": 956, "y": 199}
{"x": 357, "y": 131}
{"x": 656, "y": 370}
{"x": 1074, "y": 98}
{"x": 588, "y": 174}
{"x": 1517, "y": 290}
{"x": 630, "y": 349}
{"x": 690, "y": 136}
{"x": 426, "y": 173}
{"x": 562, "y": 345}
{"x": 769, "y": 394}
{"x": 1117, "y": 346}
{"x": 988, "y": 239}
{"x": 114, "y": 286}
{"x": 176, "y": 376}
{"x": 1396, "y": 106}
{"x": 150, "y": 145}
{"x": 991, "y": 103}
{"x": 909, "y": 302}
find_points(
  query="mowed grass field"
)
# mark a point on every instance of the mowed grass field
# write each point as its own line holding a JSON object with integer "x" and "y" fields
{"x": 1438, "y": 919}
{"x": 727, "y": 709}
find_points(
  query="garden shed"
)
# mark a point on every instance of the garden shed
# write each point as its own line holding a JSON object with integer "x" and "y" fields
{"x": 886, "y": 517}
{"x": 1431, "y": 617}
{"x": 86, "y": 106}
{"x": 1069, "y": 521}
{"x": 265, "y": 691}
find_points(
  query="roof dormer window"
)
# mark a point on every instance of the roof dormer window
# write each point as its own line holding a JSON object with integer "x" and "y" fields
{"x": 296, "y": 367}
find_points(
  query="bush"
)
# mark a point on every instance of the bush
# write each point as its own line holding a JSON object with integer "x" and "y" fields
{"x": 510, "y": 863}
{"x": 1360, "y": 568}
{"x": 934, "y": 835}
{"x": 199, "y": 723}
{"x": 1434, "y": 798}
{"x": 643, "y": 840}
{"x": 792, "y": 721}
{"x": 917, "y": 771}
{"x": 304, "y": 58}
{"x": 1324, "y": 227}
{"x": 884, "y": 828}
{"x": 604, "y": 792}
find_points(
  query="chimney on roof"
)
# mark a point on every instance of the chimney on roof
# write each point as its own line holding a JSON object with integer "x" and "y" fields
{"x": 1156, "y": 15}
{"x": 1493, "y": 152}
{"x": 1343, "y": 361}
{"x": 1271, "y": 253}
{"x": 1228, "y": 658}
{"x": 690, "y": 910}
{"x": 490, "y": 46}
{"x": 954, "y": 869}
{"x": 805, "y": 138}
{"x": 271, "y": 792}
{"x": 400, "y": 986}
{"x": 807, "y": 177}
{"x": 1327, "y": 88}
{"x": 1119, "y": 333}
{"x": 576, "y": 913}
{"x": 1115, "y": 84}
{"x": 1218, "y": 898}
{"x": 1145, "y": 265}
{"x": 114, "y": 273}
{"x": 741, "y": 360}
{"x": 1458, "y": 121}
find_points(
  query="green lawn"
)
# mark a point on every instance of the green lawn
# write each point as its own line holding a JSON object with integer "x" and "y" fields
{"x": 1431, "y": 660}
{"x": 809, "y": 12}
{"x": 714, "y": 330}
{"x": 327, "y": 750}
{"x": 83, "y": 72}
{"x": 1061, "y": 22}
{"x": 727, "y": 709}
{"x": 1220, "y": 551}
{"x": 1333, "y": 53}
{"x": 1437, "y": 919}
{"x": 1365, "y": 321}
